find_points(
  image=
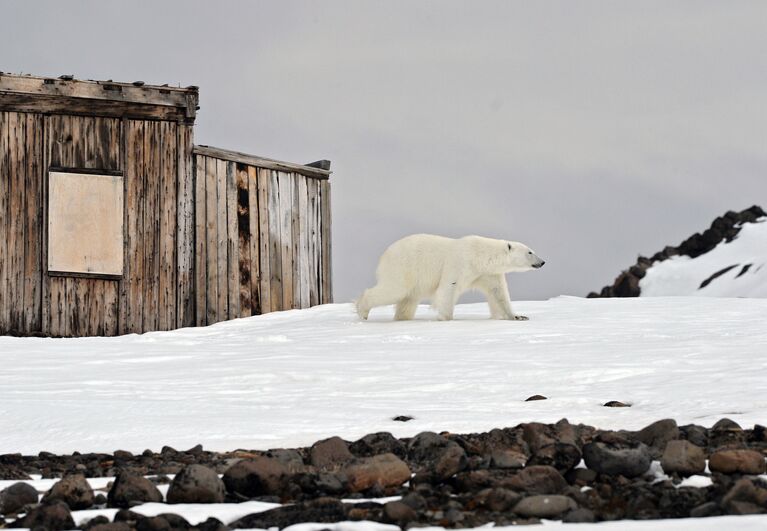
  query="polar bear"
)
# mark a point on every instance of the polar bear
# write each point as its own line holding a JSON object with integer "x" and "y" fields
{"x": 426, "y": 266}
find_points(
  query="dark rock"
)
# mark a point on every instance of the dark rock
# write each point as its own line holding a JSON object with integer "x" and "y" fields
{"x": 426, "y": 446}
{"x": 291, "y": 459}
{"x": 130, "y": 489}
{"x": 256, "y": 477}
{"x": 93, "y": 522}
{"x": 196, "y": 484}
{"x": 402, "y": 418}
{"x": 615, "y": 403}
{"x": 579, "y": 516}
{"x": 581, "y": 476}
{"x": 537, "y": 480}
{"x": 562, "y": 456}
{"x": 211, "y": 524}
{"x": 330, "y": 453}
{"x": 414, "y": 500}
{"x": 631, "y": 460}
{"x": 195, "y": 450}
{"x": 545, "y": 506}
{"x": 745, "y": 498}
{"x": 737, "y": 461}
{"x": 53, "y": 516}
{"x": 535, "y": 397}
{"x": 321, "y": 510}
{"x": 73, "y": 490}
{"x": 107, "y": 526}
{"x": 507, "y": 458}
{"x": 657, "y": 434}
{"x": 497, "y": 499}
{"x": 449, "y": 462}
{"x": 15, "y": 497}
{"x": 378, "y": 443}
{"x": 706, "y": 509}
{"x": 397, "y": 512}
{"x": 726, "y": 434}
{"x": 683, "y": 458}
{"x": 697, "y": 435}
{"x": 385, "y": 470}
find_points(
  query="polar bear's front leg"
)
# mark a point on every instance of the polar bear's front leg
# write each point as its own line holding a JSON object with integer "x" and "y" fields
{"x": 445, "y": 298}
{"x": 497, "y": 292}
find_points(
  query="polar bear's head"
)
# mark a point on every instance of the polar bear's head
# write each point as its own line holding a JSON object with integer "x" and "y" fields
{"x": 519, "y": 257}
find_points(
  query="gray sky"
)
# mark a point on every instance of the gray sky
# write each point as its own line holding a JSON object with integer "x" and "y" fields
{"x": 591, "y": 131}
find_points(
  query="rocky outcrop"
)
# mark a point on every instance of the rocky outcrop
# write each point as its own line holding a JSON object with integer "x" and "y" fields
{"x": 723, "y": 228}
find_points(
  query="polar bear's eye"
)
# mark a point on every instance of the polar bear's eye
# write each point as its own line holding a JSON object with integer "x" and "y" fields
{"x": 509, "y": 246}
{"x": 529, "y": 252}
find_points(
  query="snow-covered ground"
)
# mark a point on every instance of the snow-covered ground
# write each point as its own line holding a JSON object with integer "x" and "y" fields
{"x": 290, "y": 378}
{"x": 746, "y": 256}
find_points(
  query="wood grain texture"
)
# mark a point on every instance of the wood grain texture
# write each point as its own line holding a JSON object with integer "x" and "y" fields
{"x": 211, "y": 230}
{"x": 221, "y": 241}
{"x": 185, "y": 228}
{"x": 5, "y": 181}
{"x": 275, "y": 243}
{"x": 232, "y": 244}
{"x": 326, "y": 295}
{"x": 253, "y": 240}
{"x": 286, "y": 238}
{"x": 244, "y": 233}
{"x": 264, "y": 261}
{"x": 201, "y": 239}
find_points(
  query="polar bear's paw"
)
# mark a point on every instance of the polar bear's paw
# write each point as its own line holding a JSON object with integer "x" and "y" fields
{"x": 520, "y": 318}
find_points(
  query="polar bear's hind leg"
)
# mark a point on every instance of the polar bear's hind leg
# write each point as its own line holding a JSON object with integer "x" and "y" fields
{"x": 379, "y": 295}
{"x": 406, "y": 309}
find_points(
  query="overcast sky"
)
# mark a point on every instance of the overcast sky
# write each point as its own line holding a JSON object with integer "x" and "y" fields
{"x": 591, "y": 131}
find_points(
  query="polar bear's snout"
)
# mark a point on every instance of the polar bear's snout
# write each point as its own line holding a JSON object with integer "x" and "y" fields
{"x": 539, "y": 264}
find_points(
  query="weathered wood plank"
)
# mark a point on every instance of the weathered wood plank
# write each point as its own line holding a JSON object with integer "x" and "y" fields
{"x": 135, "y": 175}
{"x": 295, "y": 223}
{"x": 201, "y": 239}
{"x": 275, "y": 243}
{"x": 33, "y": 225}
{"x": 304, "y": 257}
{"x": 151, "y": 233}
{"x": 211, "y": 224}
{"x": 254, "y": 260}
{"x": 185, "y": 237}
{"x": 286, "y": 238}
{"x": 222, "y": 312}
{"x": 311, "y": 229}
{"x": 232, "y": 244}
{"x": 15, "y": 285}
{"x": 98, "y": 90}
{"x": 111, "y": 308}
{"x": 244, "y": 236}
{"x": 326, "y": 295}
{"x": 168, "y": 204}
{"x": 262, "y": 162}
{"x": 58, "y": 314}
{"x": 5, "y": 178}
{"x": 263, "y": 184}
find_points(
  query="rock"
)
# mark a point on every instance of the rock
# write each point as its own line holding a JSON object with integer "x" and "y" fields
{"x": 745, "y": 498}
{"x": 131, "y": 489}
{"x": 402, "y": 418}
{"x": 705, "y": 509}
{"x": 537, "y": 480}
{"x": 321, "y": 510}
{"x": 697, "y": 435}
{"x": 726, "y": 434}
{"x": 291, "y": 459}
{"x": 498, "y": 500}
{"x": 535, "y": 397}
{"x": 726, "y": 424}
{"x": 451, "y": 461}
{"x": 545, "y": 506}
{"x": 579, "y": 516}
{"x": 256, "y": 477}
{"x": 162, "y": 522}
{"x": 426, "y": 446}
{"x": 737, "y": 461}
{"x": 385, "y": 470}
{"x": 211, "y": 524}
{"x": 15, "y": 497}
{"x": 562, "y": 456}
{"x": 683, "y": 458}
{"x": 330, "y": 453}
{"x": 53, "y": 516}
{"x": 73, "y": 490}
{"x": 657, "y": 435}
{"x": 615, "y": 403}
{"x": 378, "y": 443}
{"x": 630, "y": 462}
{"x": 196, "y": 484}
{"x": 397, "y": 512}
{"x": 581, "y": 476}
{"x": 507, "y": 458}
{"x": 107, "y": 526}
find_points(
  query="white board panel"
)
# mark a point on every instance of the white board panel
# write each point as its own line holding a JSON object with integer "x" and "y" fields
{"x": 85, "y": 223}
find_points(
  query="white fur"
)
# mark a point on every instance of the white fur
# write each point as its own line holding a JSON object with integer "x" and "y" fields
{"x": 425, "y": 266}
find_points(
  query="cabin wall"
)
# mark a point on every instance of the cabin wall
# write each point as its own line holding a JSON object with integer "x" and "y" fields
{"x": 156, "y": 290}
{"x": 262, "y": 240}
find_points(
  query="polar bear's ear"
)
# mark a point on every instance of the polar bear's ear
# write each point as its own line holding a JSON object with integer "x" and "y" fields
{"x": 509, "y": 246}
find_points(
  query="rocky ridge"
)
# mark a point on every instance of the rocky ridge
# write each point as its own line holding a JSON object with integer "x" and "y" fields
{"x": 723, "y": 228}
{"x": 560, "y": 471}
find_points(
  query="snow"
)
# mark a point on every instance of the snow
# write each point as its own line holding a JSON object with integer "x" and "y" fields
{"x": 288, "y": 379}
{"x": 682, "y": 275}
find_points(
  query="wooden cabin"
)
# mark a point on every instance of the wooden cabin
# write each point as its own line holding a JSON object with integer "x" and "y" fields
{"x": 112, "y": 221}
